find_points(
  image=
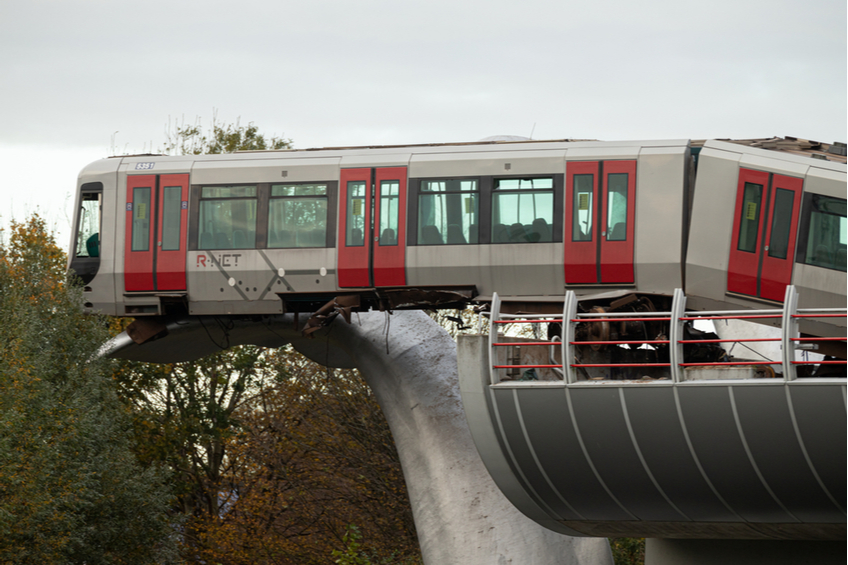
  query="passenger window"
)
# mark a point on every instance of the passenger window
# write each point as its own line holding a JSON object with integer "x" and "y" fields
{"x": 523, "y": 210}
{"x": 617, "y": 207}
{"x": 141, "y": 219}
{"x": 582, "y": 208}
{"x": 227, "y": 217}
{"x": 172, "y": 200}
{"x": 448, "y": 212}
{"x": 781, "y": 224}
{"x": 826, "y": 234}
{"x": 750, "y": 221}
{"x": 389, "y": 212}
{"x": 88, "y": 231}
{"x": 355, "y": 227}
{"x": 297, "y": 216}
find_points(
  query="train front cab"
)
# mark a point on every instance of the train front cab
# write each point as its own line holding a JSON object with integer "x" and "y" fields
{"x": 92, "y": 250}
{"x": 762, "y": 220}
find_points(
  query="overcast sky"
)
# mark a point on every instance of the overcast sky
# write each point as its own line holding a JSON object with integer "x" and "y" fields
{"x": 82, "y": 80}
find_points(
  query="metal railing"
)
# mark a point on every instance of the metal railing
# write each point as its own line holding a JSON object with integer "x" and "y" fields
{"x": 790, "y": 338}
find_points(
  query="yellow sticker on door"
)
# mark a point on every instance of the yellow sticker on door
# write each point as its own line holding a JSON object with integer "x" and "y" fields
{"x": 751, "y": 211}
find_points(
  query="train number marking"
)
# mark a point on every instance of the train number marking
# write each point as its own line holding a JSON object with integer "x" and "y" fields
{"x": 144, "y": 166}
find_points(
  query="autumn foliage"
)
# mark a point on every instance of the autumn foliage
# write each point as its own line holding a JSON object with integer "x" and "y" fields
{"x": 314, "y": 455}
{"x": 71, "y": 490}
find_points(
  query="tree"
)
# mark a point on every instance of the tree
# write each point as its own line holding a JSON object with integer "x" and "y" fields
{"x": 313, "y": 469}
{"x": 628, "y": 551}
{"x": 184, "y": 413}
{"x": 190, "y": 139}
{"x": 71, "y": 490}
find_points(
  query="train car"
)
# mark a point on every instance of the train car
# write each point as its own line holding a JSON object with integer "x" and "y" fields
{"x": 426, "y": 226}
{"x": 232, "y": 234}
{"x": 763, "y": 220}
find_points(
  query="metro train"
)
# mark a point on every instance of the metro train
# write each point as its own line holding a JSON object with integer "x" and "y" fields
{"x": 428, "y": 226}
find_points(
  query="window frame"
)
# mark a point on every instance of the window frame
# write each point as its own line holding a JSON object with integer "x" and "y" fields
{"x": 807, "y": 209}
{"x": 414, "y": 193}
{"x": 558, "y": 191}
{"x": 328, "y": 196}
{"x": 89, "y": 189}
{"x": 200, "y": 200}
{"x": 485, "y": 184}
{"x": 149, "y": 211}
{"x": 263, "y": 196}
{"x": 85, "y": 266}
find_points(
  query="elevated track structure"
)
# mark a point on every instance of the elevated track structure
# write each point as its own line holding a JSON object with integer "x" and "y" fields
{"x": 621, "y": 416}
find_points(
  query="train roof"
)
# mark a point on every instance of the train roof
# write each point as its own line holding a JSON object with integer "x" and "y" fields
{"x": 833, "y": 152}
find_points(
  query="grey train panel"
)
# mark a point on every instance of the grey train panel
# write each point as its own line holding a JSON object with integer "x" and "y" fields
{"x": 712, "y": 429}
{"x": 661, "y": 175}
{"x": 605, "y": 435}
{"x": 657, "y": 429}
{"x": 503, "y": 162}
{"x": 518, "y": 269}
{"x": 547, "y": 419}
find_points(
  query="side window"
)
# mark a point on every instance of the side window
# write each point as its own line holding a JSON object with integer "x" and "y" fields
{"x": 227, "y": 217}
{"x": 171, "y": 200}
{"x": 617, "y": 207}
{"x": 297, "y": 216}
{"x": 141, "y": 212}
{"x": 750, "y": 221}
{"x": 355, "y": 226}
{"x": 824, "y": 228}
{"x": 88, "y": 222}
{"x": 582, "y": 208}
{"x": 523, "y": 210}
{"x": 389, "y": 212}
{"x": 448, "y": 212}
{"x": 781, "y": 224}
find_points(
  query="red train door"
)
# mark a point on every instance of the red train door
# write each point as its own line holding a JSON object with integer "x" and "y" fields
{"x": 765, "y": 226}
{"x": 599, "y": 222}
{"x": 155, "y": 242}
{"x": 372, "y": 227}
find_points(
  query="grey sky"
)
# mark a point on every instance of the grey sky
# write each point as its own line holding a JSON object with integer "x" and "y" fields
{"x": 328, "y": 73}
